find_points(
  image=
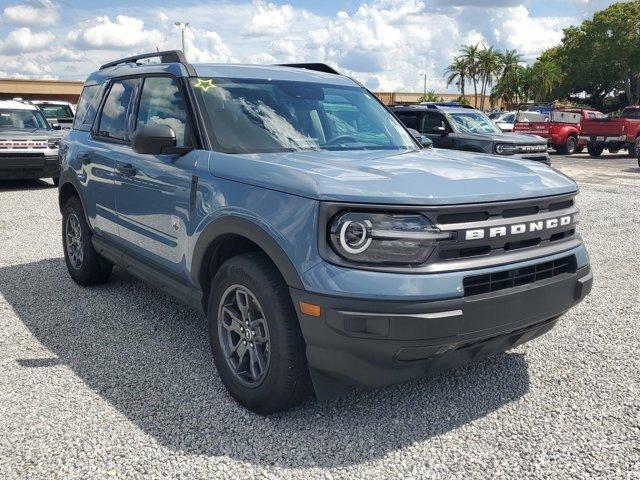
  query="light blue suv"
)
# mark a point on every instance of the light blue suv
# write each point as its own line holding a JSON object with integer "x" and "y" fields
{"x": 326, "y": 246}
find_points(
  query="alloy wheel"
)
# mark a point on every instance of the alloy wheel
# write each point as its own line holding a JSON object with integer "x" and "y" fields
{"x": 244, "y": 335}
{"x": 74, "y": 241}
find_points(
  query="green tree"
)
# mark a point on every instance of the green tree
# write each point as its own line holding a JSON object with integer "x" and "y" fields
{"x": 489, "y": 66}
{"x": 469, "y": 54}
{"x": 601, "y": 56}
{"x": 457, "y": 73}
{"x": 430, "y": 96}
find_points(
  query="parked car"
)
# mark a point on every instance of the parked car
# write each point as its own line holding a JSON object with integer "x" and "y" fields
{"x": 562, "y": 128}
{"x": 457, "y": 127}
{"x": 327, "y": 248}
{"x": 28, "y": 144}
{"x": 56, "y": 112}
{"x": 505, "y": 121}
{"x": 614, "y": 134}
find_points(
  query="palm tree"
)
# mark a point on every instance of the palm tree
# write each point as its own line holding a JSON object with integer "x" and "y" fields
{"x": 469, "y": 54}
{"x": 489, "y": 64}
{"x": 546, "y": 75}
{"x": 457, "y": 72}
{"x": 510, "y": 61}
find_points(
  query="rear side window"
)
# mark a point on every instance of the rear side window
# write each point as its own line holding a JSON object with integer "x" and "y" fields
{"x": 161, "y": 102}
{"x": 116, "y": 110}
{"x": 409, "y": 119}
{"x": 87, "y": 107}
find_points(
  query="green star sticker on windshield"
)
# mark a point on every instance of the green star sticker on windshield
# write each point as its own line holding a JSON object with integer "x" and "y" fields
{"x": 204, "y": 84}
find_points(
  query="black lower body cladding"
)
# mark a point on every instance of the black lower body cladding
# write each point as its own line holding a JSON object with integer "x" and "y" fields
{"x": 375, "y": 343}
{"x": 21, "y": 168}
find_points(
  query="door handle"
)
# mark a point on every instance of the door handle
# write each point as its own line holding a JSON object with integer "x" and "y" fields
{"x": 84, "y": 157}
{"x": 126, "y": 169}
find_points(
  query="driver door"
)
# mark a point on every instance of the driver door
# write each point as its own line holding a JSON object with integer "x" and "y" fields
{"x": 153, "y": 194}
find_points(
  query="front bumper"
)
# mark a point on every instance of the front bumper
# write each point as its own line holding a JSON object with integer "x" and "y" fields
{"x": 604, "y": 139}
{"x": 25, "y": 167}
{"x": 374, "y": 343}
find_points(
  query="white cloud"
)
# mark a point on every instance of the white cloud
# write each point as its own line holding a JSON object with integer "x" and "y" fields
{"x": 125, "y": 33}
{"x": 34, "y": 13}
{"x": 207, "y": 47}
{"x": 270, "y": 19}
{"x": 24, "y": 40}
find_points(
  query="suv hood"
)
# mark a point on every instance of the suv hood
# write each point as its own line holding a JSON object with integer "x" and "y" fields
{"x": 26, "y": 132}
{"x": 425, "y": 177}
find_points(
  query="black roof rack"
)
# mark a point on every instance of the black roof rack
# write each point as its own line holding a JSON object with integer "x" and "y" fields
{"x": 318, "y": 67}
{"x": 168, "y": 56}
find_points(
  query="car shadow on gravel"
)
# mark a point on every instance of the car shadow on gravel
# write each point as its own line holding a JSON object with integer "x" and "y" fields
{"x": 149, "y": 357}
{"x": 11, "y": 185}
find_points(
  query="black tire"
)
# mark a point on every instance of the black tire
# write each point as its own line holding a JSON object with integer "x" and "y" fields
{"x": 634, "y": 148}
{"x": 613, "y": 150}
{"x": 580, "y": 149}
{"x": 569, "y": 148}
{"x": 56, "y": 180}
{"x": 595, "y": 150}
{"x": 85, "y": 265}
{"x": 285, "y": 381}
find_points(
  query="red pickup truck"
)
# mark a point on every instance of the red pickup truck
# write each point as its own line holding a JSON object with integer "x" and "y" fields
{"x": 562, "y": 128}
{"x": 614, "y": 134}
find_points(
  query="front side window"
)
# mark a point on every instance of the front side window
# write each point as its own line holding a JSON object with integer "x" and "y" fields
{"x": 249, "y": 116}
{"x": 162, "y": 103}
{"x": 22, "y": 119}
{"x": 471, "y": 122}
{"x": 116, "y": 110}
{"x": 431, "y": 120}
{"x": 631, "y": 113}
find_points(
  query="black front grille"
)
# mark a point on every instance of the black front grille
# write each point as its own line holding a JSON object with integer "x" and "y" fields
{"x": 11, "y": 154}
{"x": 492, "y": 282}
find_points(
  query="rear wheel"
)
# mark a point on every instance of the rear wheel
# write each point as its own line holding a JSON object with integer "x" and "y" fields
{"x": 84, "y": 264}
{"x": 580, "y": 149}
{"x": 613, "y": 150}
{"x": 255, "y": 336}
{"x": 634, "y": 148}
{"x": 595, "y": 150}
{"x": 569, "y": 148}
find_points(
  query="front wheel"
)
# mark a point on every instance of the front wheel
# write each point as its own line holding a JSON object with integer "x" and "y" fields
{"x": 85, "y": 265}
{"x": 580, "y": 149}
{"x": 595, "y": 150}
{"x": 255, "y": 336}
{"x": 634, "y": 148}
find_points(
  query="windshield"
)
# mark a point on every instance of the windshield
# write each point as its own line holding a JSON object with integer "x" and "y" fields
{"x": 20, "y": 119}
{"x": 472, "y": 122}
{"x": 508, "y": 118}
{"x": 250, "y": 116}
{"x": 56, "y": 111}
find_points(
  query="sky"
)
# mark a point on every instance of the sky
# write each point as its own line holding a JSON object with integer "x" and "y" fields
{"x": 389, "y": 45}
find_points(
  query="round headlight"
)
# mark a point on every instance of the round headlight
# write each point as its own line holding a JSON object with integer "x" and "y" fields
{"x": 355, "y": 236}
{"x": 391, "y": 238}
{"x": 53, "y": 143}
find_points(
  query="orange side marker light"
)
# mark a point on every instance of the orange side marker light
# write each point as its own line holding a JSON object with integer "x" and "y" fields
{"x": 310, "y": 309}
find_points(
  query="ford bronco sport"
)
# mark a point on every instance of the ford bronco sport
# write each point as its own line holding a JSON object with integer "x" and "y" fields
{"x": 459, "y": 127}
{"x": 28, "y": 144}
{"x": 327, "y": 248}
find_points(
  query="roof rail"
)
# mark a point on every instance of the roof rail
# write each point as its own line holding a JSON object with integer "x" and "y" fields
{"x": 318, "y": 67}
{"x": 168, "y": 56}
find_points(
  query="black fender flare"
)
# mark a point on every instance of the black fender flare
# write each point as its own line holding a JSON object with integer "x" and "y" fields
{"x": 69, "y": 177}
{"x": 230, "y": 224}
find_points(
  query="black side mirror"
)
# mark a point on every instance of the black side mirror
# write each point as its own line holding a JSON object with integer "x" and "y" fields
{"x": 422, "y": 139}
{"x": 439, "y": 130}
{"x": 56, "y": 126}
{"x": 156, "y": 139}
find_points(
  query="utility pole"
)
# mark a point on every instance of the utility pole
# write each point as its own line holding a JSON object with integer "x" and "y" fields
{"x": 182, "y": 26}
{"x": 425, "y": 84}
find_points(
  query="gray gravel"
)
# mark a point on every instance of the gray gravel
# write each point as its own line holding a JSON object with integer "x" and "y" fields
{"x": 117, "y": 381}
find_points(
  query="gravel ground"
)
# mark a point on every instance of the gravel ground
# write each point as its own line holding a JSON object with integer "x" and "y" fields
{"x": 117, "y": 381}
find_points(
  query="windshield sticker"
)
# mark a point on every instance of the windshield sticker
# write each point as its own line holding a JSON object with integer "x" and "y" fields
{"x": 204, "y": 84}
